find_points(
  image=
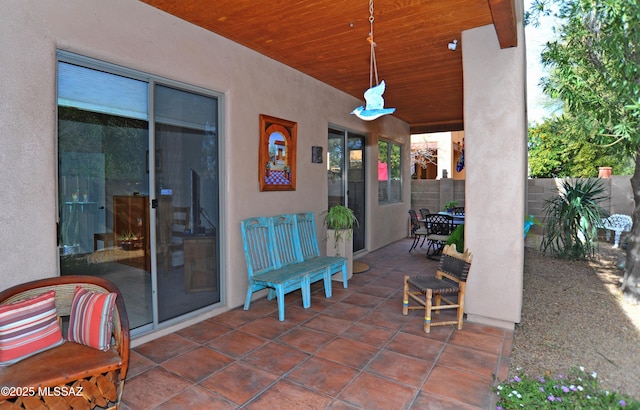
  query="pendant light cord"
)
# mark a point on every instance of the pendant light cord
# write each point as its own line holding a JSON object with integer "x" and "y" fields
{"x": 373, "y": 67}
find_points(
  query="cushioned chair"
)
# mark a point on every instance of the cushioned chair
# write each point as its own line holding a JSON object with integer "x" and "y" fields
{"x": 438, "y": 227}
{"x": 71, "y": 366}
{"x": 444, "y": 291}
{"x": 417, "y": 232}
{"x": 458, "y": 211}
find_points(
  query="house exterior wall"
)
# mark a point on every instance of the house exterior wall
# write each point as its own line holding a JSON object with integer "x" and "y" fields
{"x": 447, "y": 147}
{"x": 443, "y": 142}
{"x": 496, "y": 172}
{"x": 135, "y": 35}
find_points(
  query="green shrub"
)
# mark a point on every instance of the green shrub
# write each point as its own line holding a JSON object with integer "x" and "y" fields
{"x": 457, "y": 238}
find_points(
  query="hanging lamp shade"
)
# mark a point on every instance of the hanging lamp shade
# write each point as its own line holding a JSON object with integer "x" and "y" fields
{"x": 374, "y": 103}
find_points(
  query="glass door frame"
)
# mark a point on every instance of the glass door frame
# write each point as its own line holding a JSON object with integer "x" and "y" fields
{"x": 154, "y": 194}
{"x": 152, "y": 80}
{"x": 154, "y": 198}
{"x": 359, "y": 234}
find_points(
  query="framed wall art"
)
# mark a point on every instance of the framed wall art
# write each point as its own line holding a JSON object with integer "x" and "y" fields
{"x": 277, "y": 154}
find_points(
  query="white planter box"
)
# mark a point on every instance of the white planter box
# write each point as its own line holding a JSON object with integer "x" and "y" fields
{"x": 344, "y": 249}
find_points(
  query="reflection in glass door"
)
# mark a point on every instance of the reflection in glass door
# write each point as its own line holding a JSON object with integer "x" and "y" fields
{"x": 345, "y": 172}
{"x": 186, "y": 189}
{"x": 103, "y": 189}
{"x": 159, "y": 245}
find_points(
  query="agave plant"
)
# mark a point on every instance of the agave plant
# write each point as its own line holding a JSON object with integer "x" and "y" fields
{"x": 572, "y": 219}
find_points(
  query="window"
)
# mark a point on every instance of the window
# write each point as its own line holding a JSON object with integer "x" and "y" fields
{"x": 389, "y": 175}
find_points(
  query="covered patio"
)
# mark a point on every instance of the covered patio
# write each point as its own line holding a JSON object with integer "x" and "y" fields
{"x": 144, "y": 38}
{"x": 353, "y": 351}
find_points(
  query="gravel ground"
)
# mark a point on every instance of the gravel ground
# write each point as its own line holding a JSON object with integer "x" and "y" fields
{"x": 573, "y": 315}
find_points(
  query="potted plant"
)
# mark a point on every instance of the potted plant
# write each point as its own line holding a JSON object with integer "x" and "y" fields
{"x": 450, "y": 205}
{"x": 340, "y": 222}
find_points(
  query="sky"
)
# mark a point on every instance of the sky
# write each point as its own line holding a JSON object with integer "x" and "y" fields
{"x": 536, "y": 38}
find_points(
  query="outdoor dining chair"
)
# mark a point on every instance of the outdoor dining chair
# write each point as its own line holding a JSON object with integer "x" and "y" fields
{"x": 417, "y": 232}
{"x": 438, "y": 227}
{"x": 444, "y": 291}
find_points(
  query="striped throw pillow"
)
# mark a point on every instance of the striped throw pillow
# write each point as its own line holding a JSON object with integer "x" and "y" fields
{"x": 90, "y": 319}
{"x": 29, "y": 327}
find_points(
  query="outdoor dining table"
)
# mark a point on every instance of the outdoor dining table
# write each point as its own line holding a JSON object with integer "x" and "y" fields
{"x": 457, "y": 219}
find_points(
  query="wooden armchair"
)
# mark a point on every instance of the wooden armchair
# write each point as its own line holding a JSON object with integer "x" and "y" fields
{"x": 84, "y": 377}
{"x": 444, "y": 291}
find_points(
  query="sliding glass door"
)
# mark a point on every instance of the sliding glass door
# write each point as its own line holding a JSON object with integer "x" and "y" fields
{"x": 346, "y": 171}
{"x": 119, "y": 131}
{"x": 103, "y": 185}
{"x": 186, "y": 188}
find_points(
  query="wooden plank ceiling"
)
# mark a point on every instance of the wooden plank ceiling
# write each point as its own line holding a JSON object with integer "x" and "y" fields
{"x": 327, "y": 39}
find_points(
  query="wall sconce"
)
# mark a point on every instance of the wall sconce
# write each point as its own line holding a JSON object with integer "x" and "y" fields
{"x": 453, "y": 45}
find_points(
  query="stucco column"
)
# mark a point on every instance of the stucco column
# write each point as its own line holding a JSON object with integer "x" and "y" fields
{"x": 496, "y": 172}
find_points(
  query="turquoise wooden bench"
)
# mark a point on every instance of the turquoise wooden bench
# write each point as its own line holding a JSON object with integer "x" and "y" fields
{"x": 311, "y": 253}
{"x": 276, "y": 260}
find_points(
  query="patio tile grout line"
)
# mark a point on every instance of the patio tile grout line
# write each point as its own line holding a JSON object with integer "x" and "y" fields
{"x": 309, "y": 355}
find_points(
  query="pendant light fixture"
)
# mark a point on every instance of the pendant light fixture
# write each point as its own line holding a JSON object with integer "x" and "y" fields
{"x": 374, "y": 107}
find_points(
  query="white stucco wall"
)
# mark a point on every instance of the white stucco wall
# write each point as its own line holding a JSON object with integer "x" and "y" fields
{"x": 135, "y": 35}
{"x": 496, "y": 171}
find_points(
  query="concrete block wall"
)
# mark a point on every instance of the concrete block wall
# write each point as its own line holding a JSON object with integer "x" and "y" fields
{"x": 619, "y": 196}
{"x": 434, "y": 193}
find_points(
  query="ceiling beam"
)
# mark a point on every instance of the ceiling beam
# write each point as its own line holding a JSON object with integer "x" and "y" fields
{"x": 443, "y": 126}
{"x": 504, "y": 20}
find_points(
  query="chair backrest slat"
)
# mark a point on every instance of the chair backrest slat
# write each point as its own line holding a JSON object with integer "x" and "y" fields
{"x": 258, "y": 249}
{"x": 415, "y": 224}
{"x": 287, "y": 242}
{"x": 307, "y": 233}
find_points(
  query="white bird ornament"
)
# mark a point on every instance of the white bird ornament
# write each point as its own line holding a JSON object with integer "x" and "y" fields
{"x": 374, "y": 104}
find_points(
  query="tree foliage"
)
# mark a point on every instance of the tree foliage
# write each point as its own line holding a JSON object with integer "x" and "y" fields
{"x": 595, "y": 71}
{"x": 558, "y": 150}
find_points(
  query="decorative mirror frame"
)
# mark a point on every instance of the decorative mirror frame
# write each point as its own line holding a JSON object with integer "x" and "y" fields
{"x": 277, "y": 154}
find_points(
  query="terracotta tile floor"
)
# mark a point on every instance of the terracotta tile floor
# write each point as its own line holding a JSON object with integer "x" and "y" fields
{"x": 353, "y": 351}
